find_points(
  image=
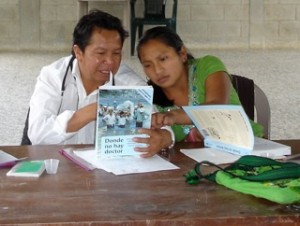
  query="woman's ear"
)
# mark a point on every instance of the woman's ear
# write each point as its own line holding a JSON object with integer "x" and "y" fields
{"x": 183, "y": 54}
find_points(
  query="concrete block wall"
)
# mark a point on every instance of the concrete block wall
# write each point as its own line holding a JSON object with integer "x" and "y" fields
{"x": 47, "y": 25}
{"x": 9, "y": 24}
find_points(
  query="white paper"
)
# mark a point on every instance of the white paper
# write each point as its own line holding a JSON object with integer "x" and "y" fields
{"x": 262, "y": 147}
{"x": 127, "y": 165}
{"x": 211, "y": 155}
{"x": 268, "y": 148}
{"x": 5, "y": 157}
{"x": 8, "y": 159}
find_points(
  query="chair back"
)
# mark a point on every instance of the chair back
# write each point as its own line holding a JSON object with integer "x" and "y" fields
{"x": 154, "y": 14}
{"x": 155, "y": 9}
{"x": 245, "y": 90}
{"x": 254, "y": 101}
{"x": 263, "y": 110}
{"x": 25, "y": 139}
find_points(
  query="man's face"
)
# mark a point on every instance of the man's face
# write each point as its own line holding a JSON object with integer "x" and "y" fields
{"x": 102, "y": 55}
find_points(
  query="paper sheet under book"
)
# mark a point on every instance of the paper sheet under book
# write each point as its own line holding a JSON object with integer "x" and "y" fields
{"x": 262, "y": 147}
{"x": 126, "y": 165}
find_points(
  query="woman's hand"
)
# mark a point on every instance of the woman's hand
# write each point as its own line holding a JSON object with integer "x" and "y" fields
{"x": 194, "y": 136}
{"x": 176, "y": 116}
{"x": 159, "y": 120}
{"x": 157, "y": 140}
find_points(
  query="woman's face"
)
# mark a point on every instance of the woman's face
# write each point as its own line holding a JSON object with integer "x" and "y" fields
{"x": 162, "y": 64}
{"x": 102, "y": 55}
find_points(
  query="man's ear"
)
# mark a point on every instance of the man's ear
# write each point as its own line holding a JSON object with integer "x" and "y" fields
{"x": 78, "y": 52}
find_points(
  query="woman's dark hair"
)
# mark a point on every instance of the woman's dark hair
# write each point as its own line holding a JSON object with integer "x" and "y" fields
{"x": 96, "y": 19}
{"x": 171, "y": 39}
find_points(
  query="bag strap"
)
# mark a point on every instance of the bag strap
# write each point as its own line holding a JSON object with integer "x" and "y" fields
{"x": 279, "y": 170}
{"x": 195, "y": 175}
{"x": 255, "y": 161}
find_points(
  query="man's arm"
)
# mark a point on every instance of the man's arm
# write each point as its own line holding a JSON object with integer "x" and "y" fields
{"x": 81, "y": 117}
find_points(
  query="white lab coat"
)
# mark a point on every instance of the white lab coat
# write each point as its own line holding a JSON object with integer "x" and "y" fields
{"x": 50, "y": 112}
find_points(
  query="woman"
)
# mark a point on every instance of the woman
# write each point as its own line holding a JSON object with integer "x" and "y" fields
{"x": 180, "y": 80}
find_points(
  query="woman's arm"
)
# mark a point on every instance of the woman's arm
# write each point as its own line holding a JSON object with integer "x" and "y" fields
{"x": 217, "y": 91}
{"x": 217, "y": 88}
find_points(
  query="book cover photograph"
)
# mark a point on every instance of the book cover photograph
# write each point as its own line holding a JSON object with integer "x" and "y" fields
{"x": 122, "y": 110}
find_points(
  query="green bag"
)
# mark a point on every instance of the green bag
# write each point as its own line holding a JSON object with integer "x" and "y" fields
{"x": 254, "y": 175}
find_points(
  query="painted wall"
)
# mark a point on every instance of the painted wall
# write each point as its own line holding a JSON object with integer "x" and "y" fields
{"x": 47, "y": 25}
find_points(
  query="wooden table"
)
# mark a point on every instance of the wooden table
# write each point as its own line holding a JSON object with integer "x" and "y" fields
{"x": 77, "y": 197}
{"x": 83, "y": 6}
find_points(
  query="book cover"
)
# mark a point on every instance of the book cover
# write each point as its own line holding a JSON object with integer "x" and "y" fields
{"x": 122, "y": 110}
{"x": 27, "y": 169}
{"x": 224, "y": 127}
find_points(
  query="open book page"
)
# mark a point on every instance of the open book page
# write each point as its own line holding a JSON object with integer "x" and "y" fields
{"x": 122, "y": 111}
{"x": 224, "y": 127}
{"x": 262, "y": 147}
{"x": 128, "y": 164}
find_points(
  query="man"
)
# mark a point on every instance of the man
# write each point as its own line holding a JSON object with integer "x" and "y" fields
{"x": 63, "y": 106}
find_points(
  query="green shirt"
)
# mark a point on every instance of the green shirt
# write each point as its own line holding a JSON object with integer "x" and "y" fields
{"x": 199, "y": 70}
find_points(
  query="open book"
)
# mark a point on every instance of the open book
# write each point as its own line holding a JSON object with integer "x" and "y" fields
{"x": 227, "y": 128}
{"x": 224, "y": 127}
{"x": 122, "y": 110}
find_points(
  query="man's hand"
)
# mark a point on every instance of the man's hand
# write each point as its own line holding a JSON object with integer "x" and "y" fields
{"x": 157, "y": 140}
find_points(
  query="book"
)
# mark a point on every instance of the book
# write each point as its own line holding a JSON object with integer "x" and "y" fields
{"x": 262, "y": 147}
{"x": 224, "y": 127}
{"x": 27, "y": 169}
{"x": 122, "y": 110}
{"x": 8, "y": 160}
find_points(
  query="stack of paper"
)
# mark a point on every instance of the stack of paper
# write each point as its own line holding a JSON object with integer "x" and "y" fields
{"x": 124, "y": 165}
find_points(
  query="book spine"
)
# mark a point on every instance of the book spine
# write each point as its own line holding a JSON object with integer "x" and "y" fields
{"x": 227, "y": 148}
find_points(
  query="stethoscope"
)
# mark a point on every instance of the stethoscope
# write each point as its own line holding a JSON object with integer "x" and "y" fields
{"x": 63, "y": 85}
{"x": 69, "y": 67}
